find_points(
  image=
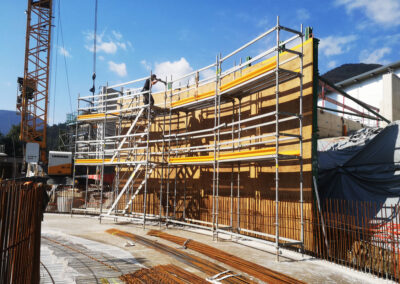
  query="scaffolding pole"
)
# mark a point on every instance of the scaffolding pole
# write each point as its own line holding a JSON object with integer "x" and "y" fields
{"x": 169, "y": 156}
{"x": 301, "y": 143}
{"x": 215, "y": 150}
{"x": 149, "y": 118}
{"x": 163, "y": 148}
{"x": 277, "y": 143}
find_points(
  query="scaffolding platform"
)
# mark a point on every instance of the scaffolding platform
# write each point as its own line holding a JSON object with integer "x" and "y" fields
{"x": 145, "y": 142}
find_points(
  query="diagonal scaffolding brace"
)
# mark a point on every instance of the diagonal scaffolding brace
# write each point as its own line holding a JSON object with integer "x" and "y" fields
{"x": 127, "y": 134}
{"x": 138, "y": 189}
{"x": 128, "y": 182}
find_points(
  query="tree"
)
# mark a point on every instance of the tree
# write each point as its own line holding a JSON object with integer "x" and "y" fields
{"x": 13, "y": 146}
{"x": 53, "y": 136}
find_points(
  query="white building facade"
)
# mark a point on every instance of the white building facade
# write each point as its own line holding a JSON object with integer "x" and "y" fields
{"x": 379, "y": 88}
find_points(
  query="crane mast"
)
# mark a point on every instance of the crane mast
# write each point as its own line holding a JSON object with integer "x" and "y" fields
{"x": 32, "y": 100}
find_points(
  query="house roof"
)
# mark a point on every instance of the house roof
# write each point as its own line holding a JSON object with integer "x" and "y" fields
{"x": 369, "y": 74}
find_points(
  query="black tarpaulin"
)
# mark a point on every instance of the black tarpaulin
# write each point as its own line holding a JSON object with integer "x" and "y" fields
{"x": 364, "y": 167}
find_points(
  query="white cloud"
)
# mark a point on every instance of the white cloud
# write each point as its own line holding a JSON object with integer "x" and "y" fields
{"x": 107, "y": 47}
{"x": 385, "y": 12}
{"x": 109, "y": 43}
{"x": 363, "y": 25}
{"x": 176, "y": 68}
{"x": 208, "y": 73}
{"x": 303, "y": 14}
{"x": 101, "y": 57}
{"x": 332, "y": 64}
{"x": 335, "y": 45}
{"x": 118, "y": 68}
{"x": 146, "y": 65}
{"x": 117, "y": 35}
{"x": 375, "y": 56}
{"x": 122, "y": 45}
{"x": 63, "y": 51}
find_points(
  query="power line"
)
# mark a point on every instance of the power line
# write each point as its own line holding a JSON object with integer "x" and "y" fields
{"x": 65, "y": 64}
{"x": 56, "y": 63}
{"x": 93, "y": 89}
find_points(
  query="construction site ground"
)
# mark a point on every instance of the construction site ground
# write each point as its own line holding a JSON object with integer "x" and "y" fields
{"x": 78, "y": 250}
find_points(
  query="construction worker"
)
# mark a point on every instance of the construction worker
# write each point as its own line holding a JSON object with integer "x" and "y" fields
{"x": 147, "y": 97}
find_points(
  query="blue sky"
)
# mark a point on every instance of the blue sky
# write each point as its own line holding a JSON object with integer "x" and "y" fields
{"x": 135, "y": 37}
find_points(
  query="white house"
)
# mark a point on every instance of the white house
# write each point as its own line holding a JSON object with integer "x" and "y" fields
{"x": 379, "y": 88}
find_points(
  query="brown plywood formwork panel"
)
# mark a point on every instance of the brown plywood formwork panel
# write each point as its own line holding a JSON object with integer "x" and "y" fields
{"x": 190, "y": 186}
{"x": 213, "y": 159}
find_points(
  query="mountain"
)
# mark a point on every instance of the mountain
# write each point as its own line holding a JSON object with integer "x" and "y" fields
{"x": 347, "y": 71}
{"x": 7, "y": 119}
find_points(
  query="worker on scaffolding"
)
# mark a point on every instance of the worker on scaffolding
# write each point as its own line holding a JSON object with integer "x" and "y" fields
{"x": 147, "y": 97}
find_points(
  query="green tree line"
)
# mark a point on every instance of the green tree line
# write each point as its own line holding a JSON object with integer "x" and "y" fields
{"x": 14, "y": 147}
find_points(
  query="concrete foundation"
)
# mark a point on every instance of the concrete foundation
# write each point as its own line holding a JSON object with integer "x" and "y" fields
{"x": 391, "y": 96}
{"x": 308, "y": 269}
{"x": 332, "y": 125}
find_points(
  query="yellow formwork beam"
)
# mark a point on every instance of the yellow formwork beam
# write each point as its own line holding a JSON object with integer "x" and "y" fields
{"x": 106, "y": 161}
{"x": 270, "y": 64}
{"x": 247, "y": 153}
{"x": 249, "y": 76}
{"x": 193, "y": 98}
{"x": 94, "y": 116}
{"x": 232, "y": 155}
{"x": 229, "y": 85}
{"x": 91, "y": 161}
{"x": 196, "y": 159}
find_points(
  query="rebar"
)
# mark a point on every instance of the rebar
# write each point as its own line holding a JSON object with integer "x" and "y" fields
{"x": 21, "y": 205}
{"x": 166, "y": 274}
{"x": 200, "y": 264}
{"x": 250, "y": 268}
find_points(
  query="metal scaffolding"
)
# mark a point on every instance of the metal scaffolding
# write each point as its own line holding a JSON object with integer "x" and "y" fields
{"x": 115, "y": 129}
{"x": 102, "y": 144}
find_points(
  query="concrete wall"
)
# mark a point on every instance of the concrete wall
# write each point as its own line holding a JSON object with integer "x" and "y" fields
{"x": 332, "y": 125}
{"x": 391, "y": 96}
{"x": 396, "y": 96}
{"x": 190, "y": 187}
